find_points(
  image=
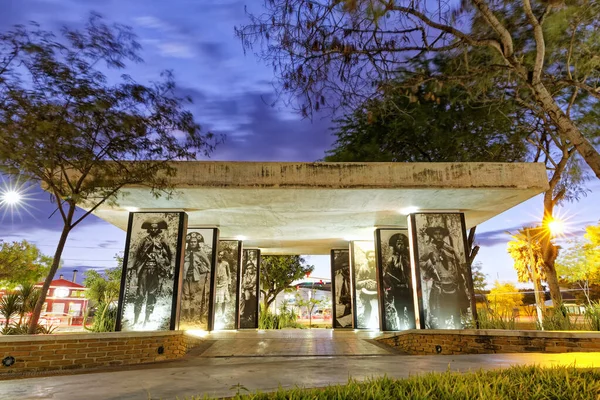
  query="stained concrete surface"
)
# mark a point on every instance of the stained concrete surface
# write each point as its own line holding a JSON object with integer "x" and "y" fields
{"x": 204, "y": 371}
{"x": 310, "y": 208}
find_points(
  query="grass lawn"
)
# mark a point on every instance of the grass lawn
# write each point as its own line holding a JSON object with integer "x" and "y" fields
{"x": 567, "y": 383}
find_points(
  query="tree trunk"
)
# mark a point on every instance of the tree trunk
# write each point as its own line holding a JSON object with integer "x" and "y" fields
{"x": 567, "y": 128}
{"x": 35, "y": 316}
{"x": 550, "y": 252}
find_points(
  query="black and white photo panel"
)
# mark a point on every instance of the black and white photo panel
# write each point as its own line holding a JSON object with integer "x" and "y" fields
{"x": 443, "y": 273}
{"x": 396, "y": 297}
{"x": 364, "y": 269}
{"x": 198, "y": 266}
{"x": 225, "y": 312}
{"x": 149, "y": 287}
{"x": 341, "y": 289}
{"x": 249, "y": 280}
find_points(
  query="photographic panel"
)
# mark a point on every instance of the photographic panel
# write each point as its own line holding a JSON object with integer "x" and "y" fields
{"x": 225, "y": 311}
{"x": 249, "y": 280}
{"x": 364, "y": 271}
{"x": 341, "y": 288}
{"x": 396, "y": 295}
{"x": 198, "y": 266}
{"x": 443, "y": 273}
{"x": 149, "y": 287}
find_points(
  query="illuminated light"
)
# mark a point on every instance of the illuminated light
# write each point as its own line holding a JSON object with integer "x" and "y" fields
{"x": 11, "y": 197}
{"x": 408, "y": 210}
{"x": 14, "y": 197}
{"x": 556, "y": 227}
{"x": 61, "y": 292}
{"x": 240, "y": 237}
{"x": 197, "y": 332}
{"x": 131, "y": 209}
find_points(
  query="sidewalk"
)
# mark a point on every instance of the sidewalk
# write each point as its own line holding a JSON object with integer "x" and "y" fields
{"x": 206, "y": 371}
{"x": 216, "y": 376}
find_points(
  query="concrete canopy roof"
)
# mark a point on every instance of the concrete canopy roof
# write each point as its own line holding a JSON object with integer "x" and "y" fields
{"x": 310, "y": 208}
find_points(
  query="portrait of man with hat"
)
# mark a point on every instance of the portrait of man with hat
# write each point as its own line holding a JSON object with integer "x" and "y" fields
{"x": 396, "y": 281}
{"x": 196, "y": 279}
{"x": 152, "y": 263}
{"x": 441, "y": 267}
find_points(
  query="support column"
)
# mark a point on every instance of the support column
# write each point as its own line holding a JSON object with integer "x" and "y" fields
{"x": 151, "y": 281}
{"x": 249, "y": 289}
{"x": 226, "y": 289}
{"x": 444, "y": 282}
{"x": 341, "y": 289}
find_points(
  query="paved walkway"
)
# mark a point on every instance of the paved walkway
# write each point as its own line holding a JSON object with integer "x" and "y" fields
{"x": 295, "y": 342}
{"x": 209, "y": 371}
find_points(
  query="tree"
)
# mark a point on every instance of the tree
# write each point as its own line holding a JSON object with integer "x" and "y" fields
{"x": 103, "y": 292}
{"x": 22, "y": 262}
{"x": 64, "y": 125}
{"x": 579, "y": 264}
{"x": 412, "y": 126}
{"x": 310, "y": 303}
{"x": 479, "y": 278}
{"x": 526, "y": 253}
{"x": 103, "y": 288}
{"x": 337, "y": 53}
{"x": 278, "y": 272}
{"x": 504, "y": 298}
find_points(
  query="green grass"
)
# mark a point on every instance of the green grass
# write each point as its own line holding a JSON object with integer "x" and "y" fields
{"x": 512, "y": 383}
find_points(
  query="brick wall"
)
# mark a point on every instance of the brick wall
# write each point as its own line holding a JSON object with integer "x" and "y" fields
{"x": 83, "y": 351}
{"x": 422, "y": 342}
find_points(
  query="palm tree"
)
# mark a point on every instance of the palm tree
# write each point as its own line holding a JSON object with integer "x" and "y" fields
{"x": 9, "y": 307}
{"x": 28, "y": 295}
{"x": 526, "y": 252}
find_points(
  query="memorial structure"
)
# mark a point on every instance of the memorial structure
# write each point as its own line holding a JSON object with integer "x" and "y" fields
{"x": 396, "y": 233}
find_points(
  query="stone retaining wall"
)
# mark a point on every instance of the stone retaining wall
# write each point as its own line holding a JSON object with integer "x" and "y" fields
{"x": 93, "y": 350}
{"x": 422, "y": 342}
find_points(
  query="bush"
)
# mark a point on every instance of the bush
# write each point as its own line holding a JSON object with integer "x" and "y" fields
{"x": 287, "y": 318}
{"x": 592, "y": 316}
{"x": 105, "y": 319}
{"x": 23, "y": 328}
{"x": 487, "y": 319}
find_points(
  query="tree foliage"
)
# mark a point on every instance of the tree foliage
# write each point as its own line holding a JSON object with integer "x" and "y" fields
{"x": 22, "y": 262}
{"x": 83, "y": 136}
{"x": 278, "y": 272}
{"x": 103, "y": 288}
{"x": 504, "y": 298}
{"x": 579, "y": 263}
{"x": 414, "y": 125}
{"x": 526, "y": 255}
{"x": 479, "y": 278}
{"x": 541, "y": 55}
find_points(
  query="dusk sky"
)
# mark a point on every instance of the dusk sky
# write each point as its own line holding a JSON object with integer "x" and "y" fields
{"x": 233, "y": 95}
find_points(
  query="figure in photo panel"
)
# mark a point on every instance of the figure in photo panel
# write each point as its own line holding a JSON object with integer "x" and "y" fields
{"x": 443, "y": 270}
{"x": 225, "y": 285}
{"x": 367, "y": 308}
{"x": 197, "y": 266}
{"x": 342, "y": 295}
{"x": 396, "y": 280}
{"x": 150, "y": 269}
{"x": 248, "y": 300}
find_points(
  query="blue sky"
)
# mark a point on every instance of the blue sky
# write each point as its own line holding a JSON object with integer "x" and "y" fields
{"x": 233, "y": 95}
